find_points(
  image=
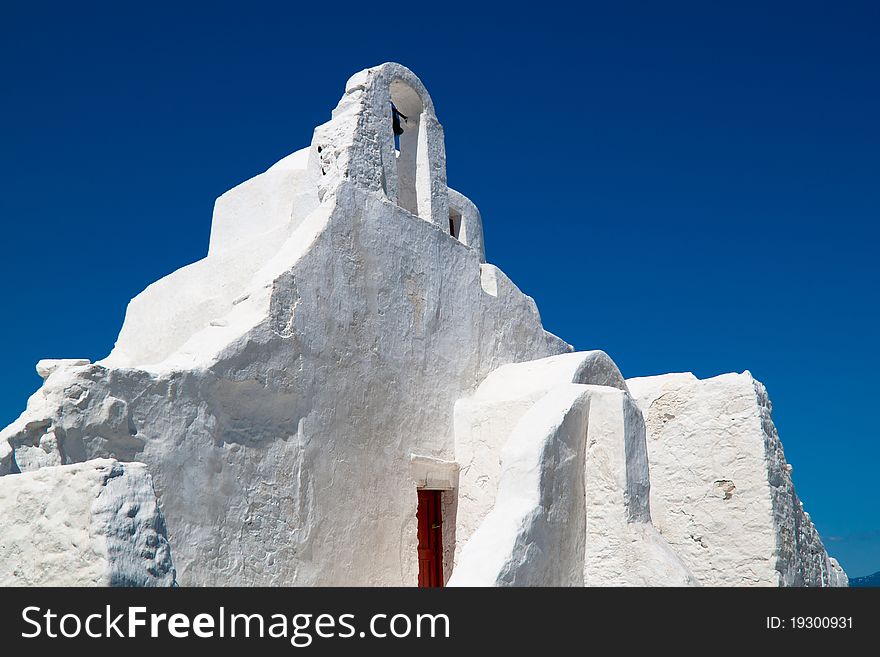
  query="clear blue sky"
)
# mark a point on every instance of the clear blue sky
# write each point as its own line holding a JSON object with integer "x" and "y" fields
{"x": 686, "y": 186}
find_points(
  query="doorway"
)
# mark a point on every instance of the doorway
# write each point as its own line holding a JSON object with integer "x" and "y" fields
{"x": 429, "y": 516}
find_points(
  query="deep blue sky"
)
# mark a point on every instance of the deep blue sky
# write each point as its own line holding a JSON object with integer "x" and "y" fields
{"x": 686, "y": 186}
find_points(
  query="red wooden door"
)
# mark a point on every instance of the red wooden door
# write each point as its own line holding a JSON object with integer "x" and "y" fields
{"x": 430, "y": 539}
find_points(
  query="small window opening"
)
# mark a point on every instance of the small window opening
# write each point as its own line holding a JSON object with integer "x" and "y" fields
{"x": 455, "y": 224}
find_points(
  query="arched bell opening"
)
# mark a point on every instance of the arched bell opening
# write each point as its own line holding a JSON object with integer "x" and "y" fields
{"x": 410, "y": 148}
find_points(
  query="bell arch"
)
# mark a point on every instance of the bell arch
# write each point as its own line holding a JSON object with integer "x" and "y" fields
{"x": 358, "y": 144}
{"x": 414, "y": 165}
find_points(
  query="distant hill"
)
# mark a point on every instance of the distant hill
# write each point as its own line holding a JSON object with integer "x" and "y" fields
{"x": 866, "y": 581}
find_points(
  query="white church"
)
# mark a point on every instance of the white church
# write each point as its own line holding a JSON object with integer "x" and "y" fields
{"x": 344, "y": 392}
